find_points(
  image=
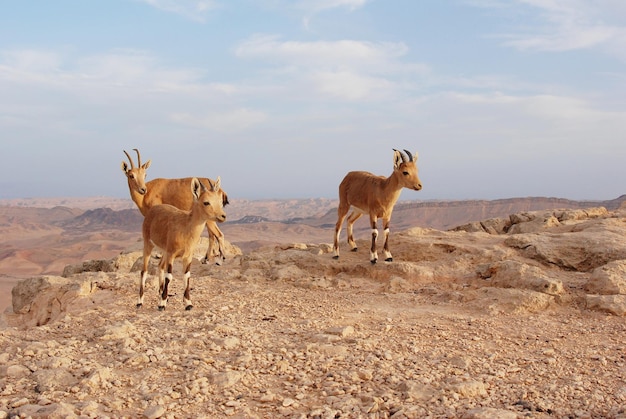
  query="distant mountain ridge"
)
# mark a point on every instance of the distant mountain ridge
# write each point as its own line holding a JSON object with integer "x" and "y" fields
{"x": 444, "y": 215}
{"x": 319, "y": 213}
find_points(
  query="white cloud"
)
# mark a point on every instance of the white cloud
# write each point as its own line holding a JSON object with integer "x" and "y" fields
{"x": 316, "y": 6}
{"x": 565, "y": 25}
{"x": 190, "y": 9}
{"x": 321, "y": 53}
{"x": 343, "y": 69}
{"x": 348, "y": 85}
{"x": 224, "y": 121}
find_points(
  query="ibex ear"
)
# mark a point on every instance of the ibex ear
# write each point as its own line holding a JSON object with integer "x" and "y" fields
{"x": 415, "y": 156}
{"x": 125, "y": 167}
{"x": 196, "y": 188}
{"x": 397, "y": 158}
{"x": 217, "y": 184}
{"x": 146, "y": 164}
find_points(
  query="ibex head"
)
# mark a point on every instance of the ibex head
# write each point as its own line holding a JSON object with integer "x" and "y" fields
{"x": 136, "y": 175}
{"x": 211, "y": 199}
{"x": 406, "y": 168}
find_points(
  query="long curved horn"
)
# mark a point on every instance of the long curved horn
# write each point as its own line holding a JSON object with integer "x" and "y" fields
{"x": 132, "y": 165}
{"x": 408, "y": 153}
{"x": 139, "y": 157}
{"x": 404, "y": 160}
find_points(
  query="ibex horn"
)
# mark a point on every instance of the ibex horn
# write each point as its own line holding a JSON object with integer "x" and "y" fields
{"x": 401, "y": 155}
{"x": 132, "y": 165}
{"x": 138, "y": 157}
{"x": 408, "y": 153}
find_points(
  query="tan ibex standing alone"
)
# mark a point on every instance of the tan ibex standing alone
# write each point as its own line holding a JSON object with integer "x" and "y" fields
{"x": 376, "y": 196}
{"x": 169, "y": 191}
{"x": 176, "y": 232}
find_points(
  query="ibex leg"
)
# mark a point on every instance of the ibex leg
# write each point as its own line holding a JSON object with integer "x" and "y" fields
{"x": 373, "y": 252}
{"x": 355, "y": 215}
{"x": 166, "y": 283}
{"x": 147, "y": 250}
{"x": 186, "y": 279}
{"x": 342, "y": 211}
{"x": 215, "y": 236}
{"x": 388, "y": 257}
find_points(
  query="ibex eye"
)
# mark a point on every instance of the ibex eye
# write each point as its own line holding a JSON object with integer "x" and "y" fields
{"x": 206, "y": 204}
{"x": 405, "y": 173}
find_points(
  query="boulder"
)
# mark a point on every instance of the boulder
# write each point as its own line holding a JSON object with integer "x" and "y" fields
{"x": 608, "y": 279}
{"x": 39, "y": 300}
{"x": 512, "y": 274}
{"x": 583, "y": 248}
{"x": 614, "y": 304}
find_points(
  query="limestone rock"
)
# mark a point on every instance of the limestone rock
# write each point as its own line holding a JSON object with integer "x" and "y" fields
{"x": 608, "y": 279}
{"x": 42, "y": 299}
{"x": 614, "y": 304}
{"x": 512, "y": 274}
{"x": 583, "y": 249}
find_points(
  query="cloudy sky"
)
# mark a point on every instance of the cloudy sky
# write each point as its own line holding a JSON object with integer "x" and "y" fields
{"x": 281, "y": 98}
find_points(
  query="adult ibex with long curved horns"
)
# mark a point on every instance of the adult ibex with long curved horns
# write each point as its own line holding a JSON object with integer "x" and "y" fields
{"x": 170, "y": 191}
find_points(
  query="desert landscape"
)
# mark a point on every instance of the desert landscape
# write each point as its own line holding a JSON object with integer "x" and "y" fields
{"x": 490, "y": 309}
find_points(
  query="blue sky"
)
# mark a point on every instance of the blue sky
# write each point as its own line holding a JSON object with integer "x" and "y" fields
{"x": 282, "y": 98}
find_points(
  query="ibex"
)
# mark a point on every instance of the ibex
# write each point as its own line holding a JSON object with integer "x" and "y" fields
{"x": 176, "y": 232}
{"x": 169, "y": 191}
{"x": 374, "y": 195}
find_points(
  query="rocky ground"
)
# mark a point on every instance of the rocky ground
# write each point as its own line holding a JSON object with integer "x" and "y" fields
{"x": 508, "y": 318}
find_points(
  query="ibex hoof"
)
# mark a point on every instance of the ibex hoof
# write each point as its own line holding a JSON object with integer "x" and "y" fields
{"x": 354, "y": 249}
{"x": 373, "y": 261}
{"x": 161, "y": 308}
{"x": 336, "y": 257}
{"x": 139, "y": 305}
{"x": 389, "y": 260}
{"x": 189, "y": 307}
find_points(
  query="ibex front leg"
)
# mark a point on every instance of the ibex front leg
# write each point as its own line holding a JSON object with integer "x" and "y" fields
{"x": 388, "y": 257}
{"x": 186, "y": 278}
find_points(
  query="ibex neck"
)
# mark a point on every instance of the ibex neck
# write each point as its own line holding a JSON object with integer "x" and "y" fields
{"x": 197, "y": 216}
{"x": 137, "y": 199}
{"x": 392, "y": 187}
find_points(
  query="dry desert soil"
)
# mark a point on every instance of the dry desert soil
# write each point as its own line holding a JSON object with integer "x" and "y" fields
{"x": 524, "y": 323}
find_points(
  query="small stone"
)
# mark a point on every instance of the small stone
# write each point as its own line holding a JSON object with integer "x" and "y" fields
{"x": 154, "y": 412}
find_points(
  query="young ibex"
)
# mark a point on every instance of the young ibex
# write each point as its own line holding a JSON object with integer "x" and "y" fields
{"x": 169, "y": 191}
{"x": 376, "y": 196}
{"x": 176, "y": 232}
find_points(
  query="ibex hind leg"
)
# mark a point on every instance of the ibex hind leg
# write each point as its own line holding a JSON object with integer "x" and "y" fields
{"x": 142, "y": 287}
{"x": 147, "y": 250}
{"x": 341, "y": 216}
{"x": 373, "y": 252}
{"x": 215, "y": 238}
{"x": 355, "y": 215}
{"x": 164, "y": 295}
